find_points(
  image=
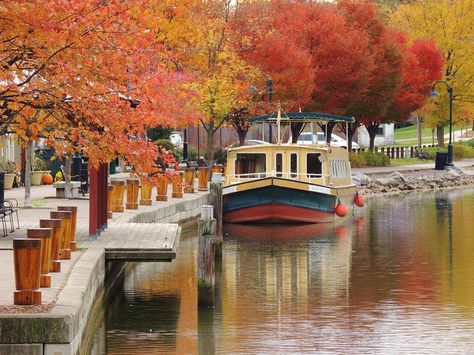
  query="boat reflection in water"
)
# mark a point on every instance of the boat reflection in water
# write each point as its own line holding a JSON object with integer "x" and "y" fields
{"x": 283, "y": 232}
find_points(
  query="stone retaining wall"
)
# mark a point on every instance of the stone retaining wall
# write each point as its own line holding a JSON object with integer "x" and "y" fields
{"x": 58, "y": 332}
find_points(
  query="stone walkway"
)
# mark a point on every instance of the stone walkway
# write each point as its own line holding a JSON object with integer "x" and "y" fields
{"x": 122, "y": 240}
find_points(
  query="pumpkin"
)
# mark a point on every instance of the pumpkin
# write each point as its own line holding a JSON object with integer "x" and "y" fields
{"x": 47, "y": 179}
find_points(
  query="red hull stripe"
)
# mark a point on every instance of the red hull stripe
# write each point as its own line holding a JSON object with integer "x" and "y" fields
{"x": 278, "y": 212}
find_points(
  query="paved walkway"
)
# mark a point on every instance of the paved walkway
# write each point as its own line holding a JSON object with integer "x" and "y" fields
{"x": 464, "y": 163}
{"x": 120, "y": 236}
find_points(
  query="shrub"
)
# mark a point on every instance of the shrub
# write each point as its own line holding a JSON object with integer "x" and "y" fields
{"x": 165, "y": 143}
{"x": 463, "y": 151}
{"x": 368, "y": 158}
{"x": 376, "y": 159}
{"x": 192, "y": 154}
{"x": 460, "y": 150}
{"x": 357, "y": 160}
{"x": 431, "y": 152}
{"x": 39, "y": 165}
{"x": 9, "y": 167}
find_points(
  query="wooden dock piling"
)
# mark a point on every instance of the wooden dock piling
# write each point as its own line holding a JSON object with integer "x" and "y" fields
{"x": 206, "y": 257}
{"x": 72, "y": 225}
{"x": 27, "y": 262}
{"x": 217, "y": 203}
{"x": 55, "y": 225}
{"x": 45, "y": 235}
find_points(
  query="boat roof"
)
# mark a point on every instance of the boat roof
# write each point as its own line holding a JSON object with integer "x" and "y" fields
{"x": 303, "y": 117}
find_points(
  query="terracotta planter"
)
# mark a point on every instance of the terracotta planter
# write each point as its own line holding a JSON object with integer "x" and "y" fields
{"x": 9, "y": 179}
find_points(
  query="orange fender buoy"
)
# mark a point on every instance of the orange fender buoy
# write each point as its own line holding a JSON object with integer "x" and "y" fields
{"x": 359, "y": 200}
{"x": 341, "y": 209}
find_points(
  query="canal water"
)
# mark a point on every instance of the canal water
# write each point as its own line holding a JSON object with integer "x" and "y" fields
{"x": 398, "y": 278}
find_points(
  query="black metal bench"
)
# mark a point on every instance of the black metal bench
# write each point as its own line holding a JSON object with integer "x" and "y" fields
{"x": 8, "y": 208}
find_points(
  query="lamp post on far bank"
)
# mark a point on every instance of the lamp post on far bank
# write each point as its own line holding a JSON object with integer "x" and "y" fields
{"x": 450, "y": 92}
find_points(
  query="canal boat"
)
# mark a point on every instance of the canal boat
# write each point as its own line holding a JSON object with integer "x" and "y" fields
{"x": 289, "y": 182}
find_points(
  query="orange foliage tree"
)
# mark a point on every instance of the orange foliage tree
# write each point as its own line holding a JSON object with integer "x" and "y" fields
{"x": 89, "y": 76}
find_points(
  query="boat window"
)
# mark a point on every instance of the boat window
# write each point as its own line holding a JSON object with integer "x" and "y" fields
{"x": 339, "y": 168}
{"x": 279, "y": 164}
{"x": 294, "y": 164}
{"x": 313, "y": 165}
{"x": 251, "y": 165}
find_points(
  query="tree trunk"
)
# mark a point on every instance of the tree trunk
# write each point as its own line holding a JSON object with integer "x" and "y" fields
{"x": 67, "y": 177}
{"x": 210, "y": 142}
{"x": 440, "y": 135}
{"x": 418, "y": 126}
{"x": 242, "y": 134}
{"x": 372, "y": 129}
{"x": 28, "y": 163}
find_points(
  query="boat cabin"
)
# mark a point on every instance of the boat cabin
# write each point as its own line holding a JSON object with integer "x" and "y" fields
{"x": 316, "y": 164}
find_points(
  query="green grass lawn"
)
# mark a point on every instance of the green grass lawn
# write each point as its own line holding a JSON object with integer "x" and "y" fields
{"x": 410, "y": 132}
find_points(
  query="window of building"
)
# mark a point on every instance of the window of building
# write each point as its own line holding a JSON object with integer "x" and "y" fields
{"x": 294, "y": 164}
{"x": 380, "y": 131}
{"x": 313, "y": 165}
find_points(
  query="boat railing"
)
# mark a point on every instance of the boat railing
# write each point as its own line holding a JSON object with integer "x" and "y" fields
{"x": 311, "y": 178}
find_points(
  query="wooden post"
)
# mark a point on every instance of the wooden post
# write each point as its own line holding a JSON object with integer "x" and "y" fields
{"x": 216, "y": 202}
{"x": 189, "y": 180}
{"x": 27, "y": 263}
{"x": 45, "y": 235}
{"x": 93, "y": 200}
{"x": 203, "y": 178}
{"x": 217, "y": 169}
{"x": 65, "y": 216}
{"x": 177, "y": 186}
{"x": 397, "y": 152}
{"x": 145, "y": 193}
{"x": 103, "y": 191}
{"x": 162, "y": 188}
{"x": 109, "y": 201}
{"x": 206, "y": 261}
{"x": 118, "y": 187}
{"x": 72, "y": 226}
{"x": 55, "y": 225}
{"x": 412, "y": 153}
{"x": 132, "y": 193}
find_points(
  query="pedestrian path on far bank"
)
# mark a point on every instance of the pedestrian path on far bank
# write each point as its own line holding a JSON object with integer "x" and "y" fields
{"x": 463, "y": 163}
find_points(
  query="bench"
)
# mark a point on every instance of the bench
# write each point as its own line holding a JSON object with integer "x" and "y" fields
{"x": 60, "y": 187}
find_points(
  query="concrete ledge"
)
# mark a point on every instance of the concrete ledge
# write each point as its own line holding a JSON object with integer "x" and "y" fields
{"x": 178, "y": 212}
{"x": 21, "y": 349}
{"x": 68, "y": 318}
{"x": 60, "y": 187}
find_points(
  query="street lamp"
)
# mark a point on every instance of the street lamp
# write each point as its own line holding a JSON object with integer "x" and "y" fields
{"x": 450, "y": 92}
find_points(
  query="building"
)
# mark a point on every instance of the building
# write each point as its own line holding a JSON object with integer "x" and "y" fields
{"x": 385, "y": 135}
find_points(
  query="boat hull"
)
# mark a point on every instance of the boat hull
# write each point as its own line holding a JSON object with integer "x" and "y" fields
{"x": 269, "y": 200}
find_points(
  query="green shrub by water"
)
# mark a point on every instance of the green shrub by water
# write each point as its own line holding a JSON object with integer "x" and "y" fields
{"x": 461, "y": 150}
{"x": 368, "y": 158}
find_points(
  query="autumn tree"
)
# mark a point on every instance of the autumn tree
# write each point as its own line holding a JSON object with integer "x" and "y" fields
{"x": 89, "y": 77}
{"x": 449, "y": 23}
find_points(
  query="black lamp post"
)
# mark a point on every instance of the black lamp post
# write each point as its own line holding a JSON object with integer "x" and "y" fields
{"x": 450, "y": 92}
